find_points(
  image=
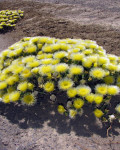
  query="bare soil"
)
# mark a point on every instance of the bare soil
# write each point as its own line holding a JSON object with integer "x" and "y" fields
{"x": 40, "y": 127}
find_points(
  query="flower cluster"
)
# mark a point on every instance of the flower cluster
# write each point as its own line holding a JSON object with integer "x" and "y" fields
{"x": 8, "y": 18}
{"x": 80, "y": 68}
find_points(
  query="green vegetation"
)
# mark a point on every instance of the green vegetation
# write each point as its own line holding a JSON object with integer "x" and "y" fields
{"x": 80, "y": 68}
{"x": 8, "y": 18}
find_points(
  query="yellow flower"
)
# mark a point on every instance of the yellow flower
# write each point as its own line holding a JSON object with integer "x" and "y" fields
{"x": 98, "y": 98}
{"x": 34, "y": 39}
{"x": 56, "y": 47}
{"x": 74, "y": 50}
{"x": 78, "y": 103}
{"x": 31, "y": 49}
{"x": 90, "y": 97}
{"x": 3, "y": 85}
{"x": 22, "y": 86}
{"x": 3, "y": 77}
{"x": 61, "y": 109}
{"x": 50, "y": 41}
{"x": 49, "y": 86}
{"x": 72, "y": 113}
{"x": 20, "y": 62}
{"x": 47, "y": 49}
{"x": 48, "y": 55}
{"x": 77, "y": 56}
{"x": 18, "y": 69}
{"x": 28, "y": 59}
{"x": 18, "y": 51}
{"x": 101, "y": 89}
{"x": 43, "y": 39}
{"x": 98, "y": 113}
{"x": 55, "y": 61}
{"x": 101, "y": 53}
{"x": 14, "y": 96}
{"x": 118, "y": 108}
{"x": 6, "y": 98}
{"x": 89, "y": 42}
{"x": 63, "y": 42}
{"x": 29, "y": 99}
{"x": 13, "y": 66}
{"x": 45, "y": 69}
{"x": 112, "y": 67}
{"x": 33, "y": 64}
{"x": 102, "y": 60}
{"x": 61, "y": 67}
{"x": 41, "y": 56}
{"x": 88, "y": 51}
{"x": 49, "y": 76}
{"x": 16, "y": 78}
{"x": 39, "y": 46}
{"x": 24, "y": 44}
{"x": 46, "y": 61}
{"x": 80, "y": 46}
{"x": 93, "y": 58}
{"x": 65, "y": 84}
{"x": 5, "y": 53}
{"x": 112, "y": 57}
{"x": 83, "y": 90}
{"x": 26, "y": 73}
{"x": 35, "y": 70}
{"x": 107, "y": 73}
{"x": 30, "y": 86}
{"x": 11, "y": 54}
{"x": 113, "y": 90}
{"x": 109, "y": 79}
{"x": 76, "y": 69}
{"x": 97, "y": 73}
{"x": 6, "y": 70}
{"x": 86, "y": 63}
{"x": 10, "y": 80}
{"x": 71, "y": 41}
{"x": 72, "y": 92}
{"x": 93, "y": 46}
{"x": 60, "y": 55}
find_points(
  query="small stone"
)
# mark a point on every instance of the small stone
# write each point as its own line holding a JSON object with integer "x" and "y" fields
{"x": 53, "y": 97}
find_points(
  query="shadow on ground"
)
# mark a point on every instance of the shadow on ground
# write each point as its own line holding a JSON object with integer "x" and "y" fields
{"x": 35, "y": 116}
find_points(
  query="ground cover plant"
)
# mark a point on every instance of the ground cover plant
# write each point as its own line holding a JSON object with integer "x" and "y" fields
{"x": 8, "y": 18}
{"x": 80, "y": 68}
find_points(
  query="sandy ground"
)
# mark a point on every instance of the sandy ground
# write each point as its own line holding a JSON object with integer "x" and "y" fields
{"x": 41, "y": 127}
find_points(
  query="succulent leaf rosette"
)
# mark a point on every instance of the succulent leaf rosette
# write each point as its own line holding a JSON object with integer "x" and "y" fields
{"x": 80, "y": 68}
{"x": 8, "y": 18}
